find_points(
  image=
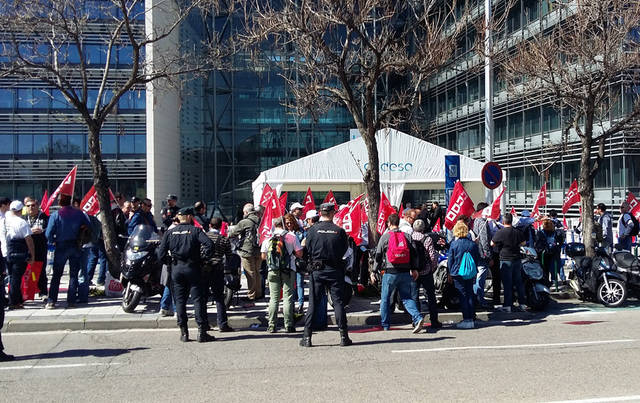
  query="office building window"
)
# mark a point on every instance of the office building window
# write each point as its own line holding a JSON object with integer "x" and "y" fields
{"x": 516, "y": 179}
{"x": 6, "y": 98}
{"x": 500, "y": 129}
{"x": 532, "y": 121}
{"x": 462, "y": 94}
{"x": 531, "y": 10}
{"x": 7, "y": 144}
{"x": 474, "y": 91}
{"x": 515, "y": 125}
{"x": 550, "y": 119}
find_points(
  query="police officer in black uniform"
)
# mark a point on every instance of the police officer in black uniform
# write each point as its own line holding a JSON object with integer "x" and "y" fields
{"x": 169, "y": 213}
{"x": 186, "y": 245}
{"x": 326, "y": 244}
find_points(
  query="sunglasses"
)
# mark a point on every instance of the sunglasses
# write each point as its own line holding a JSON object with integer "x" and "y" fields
{"x": 148, "y": 205}
{"x": 30, "y": 205}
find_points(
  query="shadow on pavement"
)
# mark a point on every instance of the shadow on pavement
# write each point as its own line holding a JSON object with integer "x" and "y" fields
{"x": 416, "y": 339}
{"x": 102, "y": 352}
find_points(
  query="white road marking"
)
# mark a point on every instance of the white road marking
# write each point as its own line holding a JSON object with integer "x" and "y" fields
{"x": 601, "y": 399}
{"x": 50, "y": 332}
{"x": 514, "y": 346}
{"x": 90, "y": 364}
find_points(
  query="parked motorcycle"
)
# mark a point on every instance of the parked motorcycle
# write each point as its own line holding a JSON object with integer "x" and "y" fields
{"x": 141, "y": 268}
{"x": 596, "y": 278}
{"x": 537, "y": 293}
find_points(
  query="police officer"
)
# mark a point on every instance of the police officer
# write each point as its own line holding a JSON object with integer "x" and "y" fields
{"x": 185, "y": 243}
{"x": 169, "y": 213}
{"x": 326, "y": 244}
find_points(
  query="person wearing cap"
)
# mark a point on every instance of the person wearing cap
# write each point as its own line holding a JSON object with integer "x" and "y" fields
{"x": 187, "y": 246}
{"x": 200, "y": 208}
{"x": 38, "y": 221}
{"x": 142, "y": 216}
{"x": 326, "y": 244}
{"x": 5, "y": 202}
{"x": 296, "y": 209}
{"x": 169, "y": 213}
{"x": 63, "y": 231}
{"x": 249, "y": 250}
{"x": 17, "y": 246}
{"x": 525, "y": 225}
{"x": 135, "y": 204}
{"x": 4, "y": 207}
{"x": 215, "y": 284}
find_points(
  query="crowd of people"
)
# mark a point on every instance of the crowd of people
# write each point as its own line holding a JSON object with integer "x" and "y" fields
{"x": 301, "y": 245}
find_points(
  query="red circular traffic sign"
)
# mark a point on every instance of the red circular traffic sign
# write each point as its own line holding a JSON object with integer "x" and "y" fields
{"x": 491, "y": 175}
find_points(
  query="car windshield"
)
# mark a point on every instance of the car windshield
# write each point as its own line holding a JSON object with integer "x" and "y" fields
{"x": 141, "y": 234}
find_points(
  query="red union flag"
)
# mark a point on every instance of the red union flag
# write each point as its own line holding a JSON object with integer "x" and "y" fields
{"x": 267, "y": 193}
{"x": 460, "y": 204}
{"x": 44, "y": 202}
{"x": 90, "y": 203}
{"x": 492, "y": 211}
{"x": 309, "y": 203}
{"x": 331, "y": 199}
{"x": 436, "y": 226}
{"x": 571, "y": 198}
{"x": 337, "y": 219}
{"x": 65, "y": 187}
{"x": 385, "y": 211}
{"x": 283, "y": 203}
{"x": 634, "y": 205}
{"x": 351, "y": 220}
{"x": 540, "y": 201}
{"x": 513, "y": 212}
{"x": 265, "y": 229}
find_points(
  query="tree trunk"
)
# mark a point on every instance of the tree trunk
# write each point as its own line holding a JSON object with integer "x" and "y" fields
{"x": 372, "y": 183}
{"x": 585, "y": 188}
{"x": 101, "y": 183}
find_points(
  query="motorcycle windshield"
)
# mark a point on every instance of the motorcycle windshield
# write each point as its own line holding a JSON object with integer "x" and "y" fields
{"x": 140, "y": 235}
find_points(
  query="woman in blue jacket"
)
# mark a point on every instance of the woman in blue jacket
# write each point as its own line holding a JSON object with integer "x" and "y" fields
{"x": 459, "y": 246}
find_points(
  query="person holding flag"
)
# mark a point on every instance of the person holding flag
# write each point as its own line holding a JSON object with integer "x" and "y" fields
{"x": 249, "y": 249}
{"x": 38, "y": 221}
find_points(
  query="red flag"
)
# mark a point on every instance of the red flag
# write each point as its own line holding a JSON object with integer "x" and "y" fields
{"x": 283, "y": 203}
{"x": 459, "y": 204}
{"x": 337, "y": 219}
{"x": 571, "y": 198}
{"x": 65, "y": 187}
{"x": 44, "y": 202}
{"x": 330, "y": 198}
{"x": 90, "y": 203}
{"x": 267, "y": 193}
{"x": 564, "y": 222}
{"x": 197, "y": 225}
{"x": 265, "y": 229}
{"x": 309, "y": 204}
{"x": 385, "y": 211}
{"x": 492, "y": 211}
{"x": 436, "y": 226}
{"x": 540, "y": 201}
{"x": 365, "y": 210}
{"x": 224, "y": 230}
{"x": 513, "y": 211}
{"x": 350, "y": 220}
{"x": 634, "y": 205}
{"x": 401, "y": 211}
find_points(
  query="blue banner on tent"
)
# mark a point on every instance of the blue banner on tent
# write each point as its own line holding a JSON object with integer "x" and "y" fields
{"x": 451, "y": 174}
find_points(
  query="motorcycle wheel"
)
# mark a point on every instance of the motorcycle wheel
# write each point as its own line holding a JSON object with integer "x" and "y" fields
{"x": 615, "y": 296}
{"x": 130, "y": 299}
{"x": 537, "y": 301}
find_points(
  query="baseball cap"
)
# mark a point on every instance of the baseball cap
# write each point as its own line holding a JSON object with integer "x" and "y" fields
{"x": 16, "y": 205}
{"x": 172, "y": 197}
{"x": 186, "y": 211}
{"x": 525, "y": 213}
{"x": 311, "y": 214}
{"x": 295, "y": 205}
{"x": 327, "y": 207}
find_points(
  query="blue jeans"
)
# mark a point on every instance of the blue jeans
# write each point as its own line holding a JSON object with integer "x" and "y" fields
{"x": 166, "y": 302}
{"x": 426, "y": 282}
{"x": 510, "y": 271}
{"x": 405, "y": 285}
{"x": 17, "y": 269}
{"x": 97, "y": 256}
{"x": 300, "y": 288}
{"x": 465, "y": 289}
{"x": 478, "y": 287}
{"x": 624, "y": 244}
{"x": 78, "y": 284}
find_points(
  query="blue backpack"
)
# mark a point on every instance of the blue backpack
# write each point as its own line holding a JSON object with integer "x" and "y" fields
{"x": 468, "y": 269}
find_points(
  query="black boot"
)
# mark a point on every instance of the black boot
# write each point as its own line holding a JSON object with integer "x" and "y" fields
{"x": 184, "y": 334}
{"x": 203, "y": 336}
{"x": 5, "y": 357}
{"x": 306, "y": 341}
{"x": 344, "y": 338}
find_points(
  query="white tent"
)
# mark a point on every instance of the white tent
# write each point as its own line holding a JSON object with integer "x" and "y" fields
{"x": 406, "y": 163}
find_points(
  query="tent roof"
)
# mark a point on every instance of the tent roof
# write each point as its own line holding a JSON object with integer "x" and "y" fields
{"x": 403, "y": 159}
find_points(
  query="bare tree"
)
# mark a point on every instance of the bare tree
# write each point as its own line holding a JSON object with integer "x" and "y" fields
{"x": 576, "y": 61}
{"x": 372, "y": 57}
{"x": 47, "y": 41}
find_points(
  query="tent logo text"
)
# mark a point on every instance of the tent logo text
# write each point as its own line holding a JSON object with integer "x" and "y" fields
{"x": 393, "y": 166}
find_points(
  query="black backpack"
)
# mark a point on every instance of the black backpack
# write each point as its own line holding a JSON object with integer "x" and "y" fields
{"x": 635, "y": 229}
{"x": 420, "y": 260}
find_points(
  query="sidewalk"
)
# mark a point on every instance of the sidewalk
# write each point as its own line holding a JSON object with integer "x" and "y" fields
{"x": 103, "y": 313}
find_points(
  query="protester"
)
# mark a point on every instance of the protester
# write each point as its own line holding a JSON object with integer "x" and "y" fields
{"x": 549, "y": 242}
{"x": 625, "y": 227}
{"x": 296, "y": 209}
{"x": 121, "y": 219}
{"x": 135, "y": 205}
{"x": 482, "y": 230}
{"x": 525, "y": 225}
{"x": 221, "y": 252}
{"x": 461, "y": 245}
{"x": 280, "y": 251}
{"x": 508, "y": 241}
{"x": 18, "y": 247}
{"x": 5, "y": 202}
{"x": 200, "y": 208}
{"x": 394, "y": 254}
{"x": 291, "y": 225}
{"x": 143, "y": 216}
{"x": 406, "y": 223}
{"x": 249, "y": 250}
{"x": 97, "y": 254}
{"x": 167, "y": 302}
{"x": 38, "y": 221}
{"x": 187, "y": 244}
{"x": 605, "y": 221}
{"x": 425, "y": 273}
{"x": 170, "y": 212}
{"x": 63, "y": 230}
